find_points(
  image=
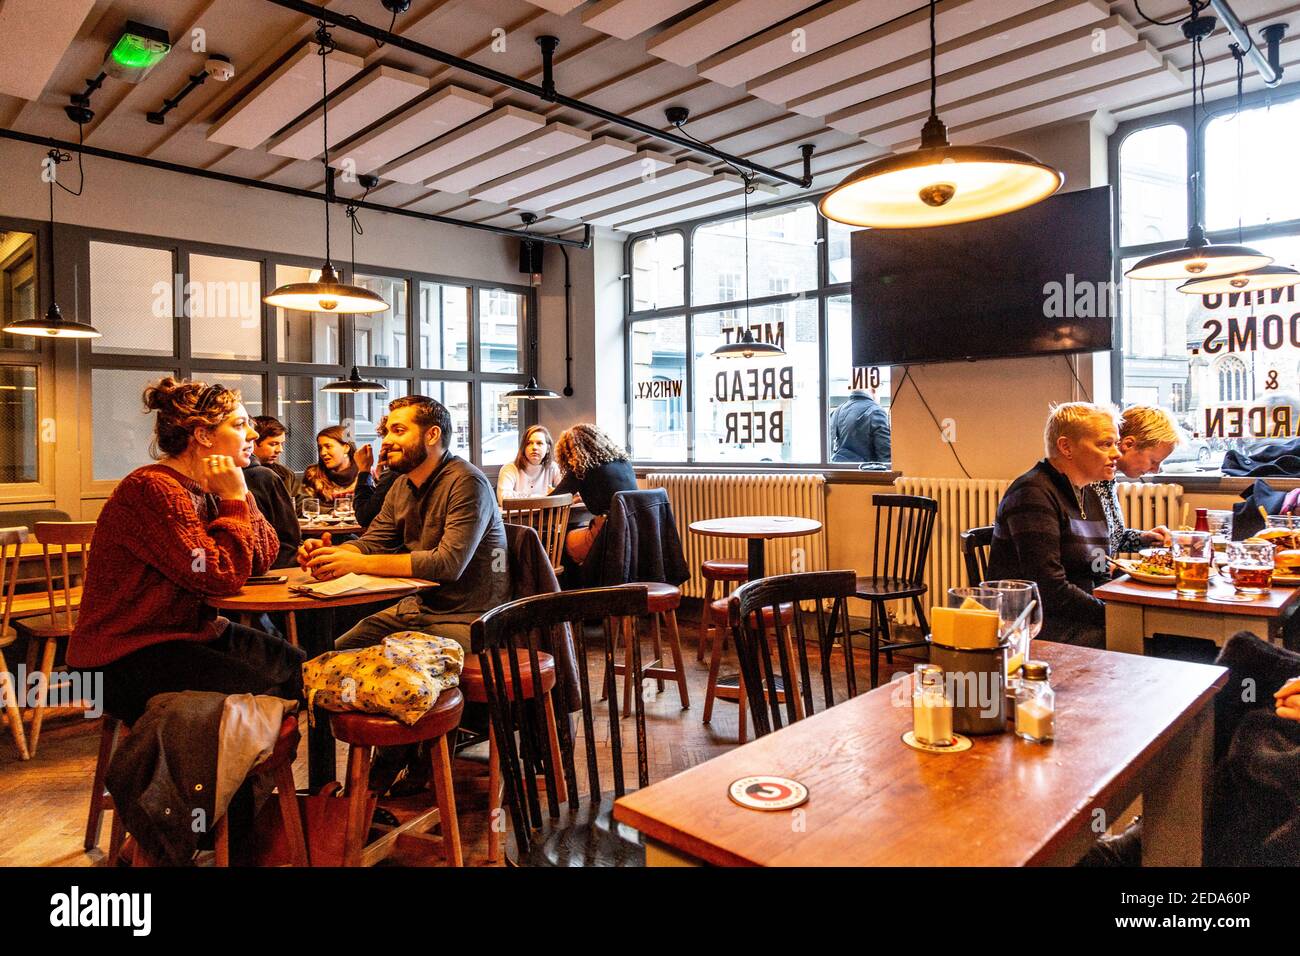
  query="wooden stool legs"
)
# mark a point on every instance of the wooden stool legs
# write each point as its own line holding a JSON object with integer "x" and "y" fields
{"x": 711, "y": 688}
{"x": 9, "y": 691}
{"x": 100, "y": 800}
{"x": 632, "y": 683}
{"x": 496, "y": 816}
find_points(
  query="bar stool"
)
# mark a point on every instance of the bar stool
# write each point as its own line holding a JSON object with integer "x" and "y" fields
{"x": 475, "y": 691}
{"x": 662, "y": 601}
{"x": 111, "y": 731}
{"x": 715, "y": 570}
{"x": 362, "y": 733}
{"x": 733, "y": 687}
{"x": 278, "y": 766}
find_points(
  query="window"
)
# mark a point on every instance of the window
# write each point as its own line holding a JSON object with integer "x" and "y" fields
{"x": 658, "y": 272}
{"x": 1227, "y": 367}
{"x": 500, "y": 424}
{"x": 224, "y": 302}
{"x": 18, "y": 425}
{"x": 763, "y": 409}
{"x": 307, "y": 337}
{"x": 444, "y": 326}
{"x": 131, "y": 299}
{"x": 455, "y": 397}
{"x": 121, "y": 429}
{"x": 501, "y": 314}
{"x": 17, "y": 284}
{"x": 304, "y": 410}
{"x": 382, "y": 336}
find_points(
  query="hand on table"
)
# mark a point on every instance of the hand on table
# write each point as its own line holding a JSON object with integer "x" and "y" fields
{"x": 1290, "y": 501}
{"x": 223, "y": 478}
{"x": 1288, "y": 699}
{"x": 327, "y": 563}
{"x": 310, "y": 545}
{"x": 1159, "y": 536}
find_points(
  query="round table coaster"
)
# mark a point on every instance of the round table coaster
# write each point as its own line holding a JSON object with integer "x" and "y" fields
{"x": 766, "y": 792}
{"x": 962, "y": 743}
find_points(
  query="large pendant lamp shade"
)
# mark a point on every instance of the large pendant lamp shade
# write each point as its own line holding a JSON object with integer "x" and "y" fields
{"x": 1256, "y": 280}
{"x": 747, "y": 347}
{"x": 326, "y": 294}
{"x": 353, "y": 384}
{"x": 939, "y": 184}
{"x": 531, "y": 391}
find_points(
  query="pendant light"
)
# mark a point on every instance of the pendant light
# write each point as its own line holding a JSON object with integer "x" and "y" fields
{"x": 354, "y": 383}
{"x": 1255, "y": 280}
{"x": 54, "y": 325}
{"x": 746, "y": 346}
{"x": 328, "y": 293}
{"x": 1198, "y": 258}
{"x": 531, "y": 391}
{"x": 939, "y": 184}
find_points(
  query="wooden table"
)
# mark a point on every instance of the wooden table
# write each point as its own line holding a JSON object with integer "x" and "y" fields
{"x": 1127, "y": 726}
{"x": 315, "y": 636}
{"x": 1136, "y": 611}
{"x": 756, "y": 529}
{"x": 316, "y": 530}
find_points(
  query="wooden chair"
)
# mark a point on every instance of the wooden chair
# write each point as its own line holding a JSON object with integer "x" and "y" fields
{"x": 584, "y": 833}
{"x": 716, "y": 571}
{"x": 975, "y": 546}
{"x": 548, "y": 516}
{"x": 11, "y": 541}
{"x": 904, "y": 526}
{"x": 63, "y": 541}
{"x": 731, "y": 687}
{"x": 774, "y": 653}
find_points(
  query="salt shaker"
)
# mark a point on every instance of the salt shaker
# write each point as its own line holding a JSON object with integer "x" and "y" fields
{"x": 1035, "y": 703}
{"x": 931, "y": 707}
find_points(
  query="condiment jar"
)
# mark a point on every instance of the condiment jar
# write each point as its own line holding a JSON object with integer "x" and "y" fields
{"x": 1035, "y": 703}
{"x": 931, "y": 707}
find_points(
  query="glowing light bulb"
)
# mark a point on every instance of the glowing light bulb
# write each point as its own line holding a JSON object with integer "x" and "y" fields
{"x": 937, "y": 194}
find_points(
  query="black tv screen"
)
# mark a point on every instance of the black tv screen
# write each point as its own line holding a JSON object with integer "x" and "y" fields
{"x": 1031, "y": 282}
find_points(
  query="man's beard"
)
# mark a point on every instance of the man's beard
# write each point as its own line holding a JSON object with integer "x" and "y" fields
{"x": 411, "y": 459}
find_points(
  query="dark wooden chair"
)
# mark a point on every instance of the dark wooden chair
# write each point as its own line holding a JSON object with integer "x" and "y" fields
{"x": 904, "y": 526}
{"x": 11, "y": 542}
{"x": 773, "y": 647}
{"x": 584, "y": 832}
{"x": 975, "y": 545}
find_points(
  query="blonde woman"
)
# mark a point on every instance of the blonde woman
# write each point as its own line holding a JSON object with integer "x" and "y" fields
{"x": 534, "y": 472}
{"x": 595, "y": 468}
{"x": 1147, "y": 436}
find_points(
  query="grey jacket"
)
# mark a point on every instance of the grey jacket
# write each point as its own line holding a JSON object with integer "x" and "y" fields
{"x": 452, "y": 528}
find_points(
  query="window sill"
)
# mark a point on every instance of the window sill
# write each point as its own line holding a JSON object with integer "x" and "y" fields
{"x": 1207, "y": 484}
{"x": 833, "y": 476}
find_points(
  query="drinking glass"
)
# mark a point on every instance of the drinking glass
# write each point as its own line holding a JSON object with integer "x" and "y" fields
{"x": 1016, "y": 596}
{"x": 988, "y": 598}
{"x": 1220, "y": 524}
{"x": 343, "y": 507}
{"x": 1250, "y": 565}
{"x": 1192, "y": 552}
{"x": 311, "y": 509}
{"x": 1282, "y": 521}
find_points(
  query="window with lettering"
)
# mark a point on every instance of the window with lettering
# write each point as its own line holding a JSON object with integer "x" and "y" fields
{"x": 688, "y": 403}
{"x": 1226, "y": 365}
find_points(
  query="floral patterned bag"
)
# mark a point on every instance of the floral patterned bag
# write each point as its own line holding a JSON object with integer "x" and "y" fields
{"x": 400, "y": 677}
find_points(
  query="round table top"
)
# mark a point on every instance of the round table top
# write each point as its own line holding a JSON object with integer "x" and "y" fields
{"x": 317, "y": 529}
{"x": 756, "y": 526}
{"x": 253, "y": 598}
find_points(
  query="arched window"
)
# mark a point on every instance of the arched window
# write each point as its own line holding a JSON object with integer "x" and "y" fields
{"x": 1233, "y": 385}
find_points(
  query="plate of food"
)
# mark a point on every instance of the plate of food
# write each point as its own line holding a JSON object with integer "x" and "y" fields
{"x": 1156, "y": 566}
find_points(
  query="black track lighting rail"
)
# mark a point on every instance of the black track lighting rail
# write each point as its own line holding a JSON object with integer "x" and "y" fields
{"x": 47, "y": 142}
{"x": 544, "y": 92}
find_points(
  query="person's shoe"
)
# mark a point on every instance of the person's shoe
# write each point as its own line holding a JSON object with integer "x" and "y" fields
{"x": 1124, "y": 849}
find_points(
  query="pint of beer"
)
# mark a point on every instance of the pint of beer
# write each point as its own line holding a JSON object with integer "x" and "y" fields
{"x": 1192, "y": 553}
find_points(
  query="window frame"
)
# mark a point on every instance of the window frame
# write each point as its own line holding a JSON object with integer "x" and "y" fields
{"x": 822, "y": 293}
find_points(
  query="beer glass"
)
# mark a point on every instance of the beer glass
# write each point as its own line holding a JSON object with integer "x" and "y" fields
{"x": 1192, "y": 553}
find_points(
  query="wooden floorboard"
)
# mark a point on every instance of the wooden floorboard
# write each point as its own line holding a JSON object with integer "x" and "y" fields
{"x": 43, "y": 801}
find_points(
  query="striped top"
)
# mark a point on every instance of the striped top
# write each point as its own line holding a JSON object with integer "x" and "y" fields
{"x": 1123, "y": 540}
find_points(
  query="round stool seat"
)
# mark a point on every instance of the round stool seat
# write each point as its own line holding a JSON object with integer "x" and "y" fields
{"x": 724, "y": 569}
{"x": 719, "y": 611}
{"x": 376, "y": 730}
{"x": 661, "y": 598}
{"x": 471, "y": 676}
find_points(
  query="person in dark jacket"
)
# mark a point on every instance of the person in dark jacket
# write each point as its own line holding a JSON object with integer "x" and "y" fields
{"x": 271, "y": 436}
{"x": 276, "y": 505}
{"x": 596, "y": 468}
{"x": 1051, "y": 528}
{"x": 860, "y": 430}
{"x": 373, "y": 479}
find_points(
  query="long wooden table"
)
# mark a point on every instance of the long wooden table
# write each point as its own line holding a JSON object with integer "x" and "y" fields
{"x": 1136, "y": 611}
{"x": 1127, "y": 727}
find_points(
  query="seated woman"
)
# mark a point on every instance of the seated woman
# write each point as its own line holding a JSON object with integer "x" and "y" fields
{"x": 1147, "y": 436}
{"x": 534, "y": 472}
{"x": 171, "y": 535}
{"x": 335, "y": 471}
{"x": 595, "y": 468}
{"x": 1050, "y": 526}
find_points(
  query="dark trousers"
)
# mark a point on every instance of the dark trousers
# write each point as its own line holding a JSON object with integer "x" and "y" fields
{"x": 240, "y": 661}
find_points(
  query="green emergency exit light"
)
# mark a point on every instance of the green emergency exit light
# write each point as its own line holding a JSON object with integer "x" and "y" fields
{"x": 137, "y": 51}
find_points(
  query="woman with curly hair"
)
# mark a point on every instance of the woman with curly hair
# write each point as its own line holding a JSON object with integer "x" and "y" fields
{"x": 595, "y": 468}
{"x": 335, "y": 471}
{"x": 171, "y": 535}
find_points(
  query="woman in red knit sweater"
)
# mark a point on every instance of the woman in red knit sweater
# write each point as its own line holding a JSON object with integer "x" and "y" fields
{"x": 172, "y": 534}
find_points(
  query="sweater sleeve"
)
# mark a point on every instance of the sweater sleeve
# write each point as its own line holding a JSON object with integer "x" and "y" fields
{"x": 171, "y": 537}
{"x": 1033, "y": 523}
{"x": 506, "y": 481}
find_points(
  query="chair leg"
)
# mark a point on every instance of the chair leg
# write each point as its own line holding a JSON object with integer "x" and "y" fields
{"x": 290, "y": 817}
{"x": 95, "y": 819}
{"x": 630, "y": 680}
{"x": 715, "y": 662}
{"x": 675, "y": 645}
{"x": 553, "y": 738}
{"x": 9, "y": 692}
{"x": 873, "y": 648}
{"x": 42, "y": 700}
{"x": 659, "y": 650}
{"x": 116, "y": 837}
{"x": 445, "y": 794}
{"x": 705, "y": 623}
{"x": 292, "y": 625}
{"x": 741, "y": 735}
{"x": 358, "y": 801}
{"x": 920, "y": 614}
{"x": 495, "y": 815}
{"x": 887, "y": 636}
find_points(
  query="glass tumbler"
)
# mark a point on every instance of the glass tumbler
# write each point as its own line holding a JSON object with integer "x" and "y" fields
{"x": 1192, "y": 553}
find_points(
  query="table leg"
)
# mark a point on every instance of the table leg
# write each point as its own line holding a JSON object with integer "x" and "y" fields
{"x": 1125, "y": 629}
{"x": 1176, "y": 797}
{"x": 757, "y": 561}
{"x": 316, "y": 634}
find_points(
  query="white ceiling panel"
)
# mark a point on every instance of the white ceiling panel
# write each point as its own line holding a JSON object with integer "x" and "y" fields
{"x": 373, "y": 95}
{"x": 731, "y": 199}
{"x": 34, "y": 36}
{"x": 551, "y": 140}
{"x": 714, "y": 185}
{"x": 717, "y": 26}
{"x": 288, "y": 92}
{"x": 557, "y": 6}
{"x": 484, "y": 134}
{"x": 593, "y": 155}
{"x": 431, "y": 117}
{"x": 627, "y": 18}
{"x": 679, "y": 174}
{"x": 642, "y": 164}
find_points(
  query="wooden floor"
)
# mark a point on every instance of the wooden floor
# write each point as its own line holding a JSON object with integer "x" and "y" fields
{"x": 43, "y": 802}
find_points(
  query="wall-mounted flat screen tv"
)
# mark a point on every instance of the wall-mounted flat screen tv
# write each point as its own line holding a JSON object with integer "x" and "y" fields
{"x": 1032, "y": 282}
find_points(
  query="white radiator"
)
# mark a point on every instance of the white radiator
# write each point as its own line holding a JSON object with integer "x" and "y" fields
{"x": 696, "y": 497}
{"x": 973, "y": 502}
